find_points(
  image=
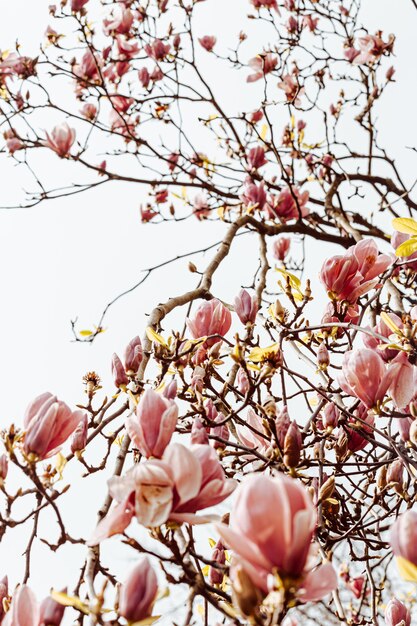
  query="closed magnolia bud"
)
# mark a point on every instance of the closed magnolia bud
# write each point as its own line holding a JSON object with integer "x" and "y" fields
{"x": 192, "y": 268}
{"x": 270, "y": 407}
{"x": 282, "y": 424}
{"x": 292, "y": 446}
{"x": 119, "y": 375}
{"x": 138, "y": 593}
{"x": 395, "y": 474}
{"x": 133, "y": 356}
{"x": 246, "y": 306}
{"x": 396, "y": 614}
{"x": 79, "y": 437}
{"x": 341, "y": 446}
{"x": 220, "y": 431}
{"x": 4, "y": 466}
{"x": 278, "y": 310}
{"x": 170, "y": 391}
{"x": 242, "y": 381}
{"x": 245, "y": 594}
{"x": 323, "y": 359}
{"x": 327, "y": 489}
{"x": 198, "y": 432}
{"x": 330, "y": 416}
{"x": 218, "y": 556}
{"x": 51, "y": 612}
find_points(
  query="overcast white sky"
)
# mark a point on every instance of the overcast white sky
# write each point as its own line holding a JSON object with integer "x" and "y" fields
{"x": 71, "y": 256}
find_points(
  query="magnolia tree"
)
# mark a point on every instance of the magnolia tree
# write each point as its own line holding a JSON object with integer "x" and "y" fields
{"x": 282, "y": 418}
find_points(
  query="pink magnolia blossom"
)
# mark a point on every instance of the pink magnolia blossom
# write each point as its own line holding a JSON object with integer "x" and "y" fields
{"x": 242, "y": 381}
{"x": 79, "y": 436}
{"x": 310, "y": 22}
{"x": 371, "y": 47}
{"x": 61, "y": 139}
{"x": 153, "y": 424}
{"x": 256, "y": 157}
{"x": 24, "y": 609}
{"x": 127, "y": 49}
{"x": 138, "y": 593}
{"x": 290, "y": 204}
{"x": 186, "y": 480}
{"x": 4, "y": 467}
{"x": 403, "y": 536}
{"x": 271, "y": 529}
{"x": 292, "y": 89}
{"x": 252, "y": 433}
{"x": 157, "y": 50}
{"x": 254, "y": 196}
{"x": 48, "y": 423}
{"x": 397, "y": 614}
{"x": 262, "y": 65}
{"x": 16, "y": 65}
{"x": 120, "y": 377}
{"x": 281, "y": 247}
{"x": 51, "y": 612}
{"x": 246, "y": 307}
{"x": 364, "y": 375}
{"x": 374, "y": 343}
{"x": 267, "y": 4}
{"x": 211, "y": 318}
{"x": 133, "y": 356}
{"x": 356, "y": 440}
{"x": 89, "y": 111}
{"x": 207, "y": 42}
{"x": 77, "y": 5}
{"x": 120, "y": 21}
{"x": 88, "y": 67}
{"x": 201, "y": 208}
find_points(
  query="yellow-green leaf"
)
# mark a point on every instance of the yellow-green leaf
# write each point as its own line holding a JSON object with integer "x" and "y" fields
{"x": 66, "y": 600}
{"x": 405, "y": 225}
{"x": 154, "y": 336}
{"x": 60, "y": 463}
{"x": 261, "y": 354}
{"x": 407, "y": 570}
{"x": 85, "y": 333}
{"x": 390, "y": 323}
{"x": 407, "y": 248}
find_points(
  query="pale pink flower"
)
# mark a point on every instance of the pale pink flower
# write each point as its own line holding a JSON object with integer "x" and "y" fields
{"x": 186, "y": 480}
{"x": 256, "y": 157}
{"x": 374, "y": 343}
{"x": 340, "y": 276}
{"x": 79, "y": 436}
{"x": 77, "y": 5}
{"x": 157, "y": 50}
{"x": 120, "y": 377}
{"x": 211, "y": 318}
{"x": 364, "y": 375}
{"x": 292, "y": 89}
{"x": 127, "y": 49}
{"x": 119, "y": 21}
{"x": 246, "y": 307}
{"x": 271, "y": 528}
{"x": 266, "y": 4}
{"x": 88, "y": 67}
{"x": 48, "y": 423}
{"x": 138, "y": 593}
{"x": 252, "y": 433}
{"x": 60, "y": 140}
{"x": 15, "y": 65}
{"x": 403, "y": 536}
{"x": 281, "y": 247}
{"x": 51, "y": 612}
{"x": 208, "y": 42}
{"x": 254, "y": 196}
{"x": 153, "y": 424}
{"x": 262, "y": 64}
{"x": 133, "y": 356}
{"x": 397, "y": 614}
{"x": 371, "y": 47}
{"x": 201, "y": 208}
{"x": 290, "y": 204}
{"x": 89, "y": 111}
{"x": 310, "y": 22}
{"x": 24, "y": 609}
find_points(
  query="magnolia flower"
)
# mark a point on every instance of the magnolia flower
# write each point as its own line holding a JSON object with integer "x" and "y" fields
{"x": 153, "y": 424}
{"x": 157, "y": 50}
{"x": 270, "y": 533}
{"x": 254, "y": 196}
{"x": 51, "y": 612}
{"x": 185, "y": 481}
{"x": 262, "y": 65}
{"x": 120, "y": 21}
{"x": 246, "y": 307}
{"x": 211, "y": 318}
{"x": 281, "y": 247}
{"x": 207, "y": 42}
{"x": 61, "y": 139}
{"x": 397, "y": 614}
{"x": 48, "y": 423}
{"x": 24, "y": 609}
{"x": 252, "y": 433}
{"x": 290, "y": 204}
{"x": 256, "y": 158}
{"x": 138, "y": 593}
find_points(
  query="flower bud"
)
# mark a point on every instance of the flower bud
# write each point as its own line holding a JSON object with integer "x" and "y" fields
{"x": 138, "y": 593}
{"x": 281, "y": 247}
{"x": 381, "y": 478}
{"x": 282, "y": 424}
{"x": 323, "y": 358}
{"x": 51, "y": 612}
{"x": 242, "y": 381}
{"x": 133, "y": 356}
{"x": 396, "y": 614}
{"x": 119, "y": 375}
{"x": 292, "y": 446}
{"x": 79, "y": 437}
{"x": 330, "y": 416}
{"x": 327, "y": 489}
{"x": 152, "y": 427}
{"x": 4, "y": 466}
{"x": 170, "y": 391}
{"x": 198, "y": 432}
{"x": 218, "y": 556}
{"x": 246, "y": 307}
{"x": 395, "y": 475}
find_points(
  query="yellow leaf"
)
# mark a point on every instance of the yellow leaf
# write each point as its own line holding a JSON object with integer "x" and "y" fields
{"x": 407, "y": 248}
{"x": 205, "y": 570}
{"x": 264, "y": 131}
{"x": 405, "y": 225}
{"x": 85, "y": 333}
{"x": 66, "y": 600}
{"x": 60, "y": 463}
{"x": 200, "y": 609}
{"x": 154, "y": 336}
{"x": 211, "y": 542}
{"x": 261, "y": 354}
{"x": 389, "y": 322}
{"x": 408, "y": 571}
{"x": 221, "y": 211}
{"x": 294, "y": 281}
